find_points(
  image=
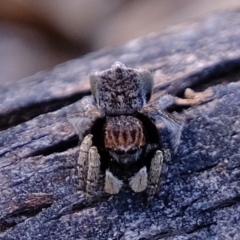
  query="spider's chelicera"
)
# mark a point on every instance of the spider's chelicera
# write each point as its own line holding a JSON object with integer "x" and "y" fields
{"x": 123, "y": 133}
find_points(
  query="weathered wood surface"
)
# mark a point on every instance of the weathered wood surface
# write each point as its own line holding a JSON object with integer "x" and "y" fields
{"x": 200, "y": 195}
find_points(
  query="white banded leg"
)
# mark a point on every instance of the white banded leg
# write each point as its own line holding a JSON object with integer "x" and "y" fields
{"x": 154, "y": 174}
{"x": 82, "y": 163}
{"x": 112, "y": 184}
{"x": 93, "y": 171}
{"x": 138, "y": 182}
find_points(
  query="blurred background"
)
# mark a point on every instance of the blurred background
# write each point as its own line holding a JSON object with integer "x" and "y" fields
{"x": 37, "y": 34}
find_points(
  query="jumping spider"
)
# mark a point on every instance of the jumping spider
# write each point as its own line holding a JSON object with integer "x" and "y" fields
{"x": 123, "y": 132}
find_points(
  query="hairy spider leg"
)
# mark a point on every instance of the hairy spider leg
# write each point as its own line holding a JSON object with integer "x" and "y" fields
{"x": 93, "y": 171}
{"x": 154, "y": 174}
{"x": 82, "y": 163}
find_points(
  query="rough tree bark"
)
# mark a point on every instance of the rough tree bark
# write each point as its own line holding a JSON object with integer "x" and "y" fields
{"x": 200, "y": 194}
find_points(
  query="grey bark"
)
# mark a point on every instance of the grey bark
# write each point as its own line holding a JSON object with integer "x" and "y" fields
{"x": 200, "y": 194}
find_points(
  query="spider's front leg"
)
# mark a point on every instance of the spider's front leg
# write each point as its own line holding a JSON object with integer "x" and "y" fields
{"x": 155, "y": 171}
{"x": 142, "y": 180}
{"x": 154, "y": 174}
{"x": 88, "y": 166}
{"x": 150, "y": 180}
{"x": 93, "y": 171}
{"x": 82, "y": 163}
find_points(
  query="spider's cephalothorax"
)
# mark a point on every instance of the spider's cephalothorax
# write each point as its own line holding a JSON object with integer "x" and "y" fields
{"x": 122, "y": 132}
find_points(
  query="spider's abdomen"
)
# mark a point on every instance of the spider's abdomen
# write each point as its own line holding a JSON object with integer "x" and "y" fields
{"x": 124, "y": 137}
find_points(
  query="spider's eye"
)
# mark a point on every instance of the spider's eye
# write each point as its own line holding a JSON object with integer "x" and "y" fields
{"x": 120, "y": 152}
{"x": 132, "y": 151}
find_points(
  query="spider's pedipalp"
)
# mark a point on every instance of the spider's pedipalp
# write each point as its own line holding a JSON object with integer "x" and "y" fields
{"x": 93, "y": 171}
{"x": 154, "y": 174}
{"x": 112, "y": 184}
{"x": 138, "y": 182}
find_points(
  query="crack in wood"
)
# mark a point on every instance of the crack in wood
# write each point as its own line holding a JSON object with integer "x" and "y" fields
{"x": 17, "y": 116}
{"x": 59, "y": 147}
{"x": 32, "y": 207}
{"x": 224, "y": 204}
{"x": 206, "y": 77}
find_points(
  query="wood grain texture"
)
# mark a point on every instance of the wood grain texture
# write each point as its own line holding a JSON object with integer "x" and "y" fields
{"x": 200, "y": 195}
